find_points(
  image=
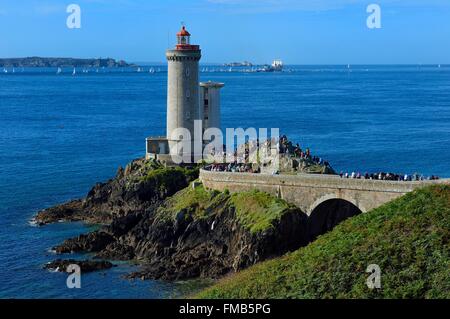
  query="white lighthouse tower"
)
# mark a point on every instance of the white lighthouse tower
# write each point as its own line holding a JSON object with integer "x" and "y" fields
{"x": 183, "y": 103}
{"x": 182, "y": 88}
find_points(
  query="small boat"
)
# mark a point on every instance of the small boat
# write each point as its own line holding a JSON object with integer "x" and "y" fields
{"x": 265, "y": 68}
{"x": 277, "y": 65}
{"x": 5, "y": 70}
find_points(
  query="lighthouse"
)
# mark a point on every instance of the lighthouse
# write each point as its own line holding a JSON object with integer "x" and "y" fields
{"x": 184, "y": 110}
{"x": 182, "y": 89}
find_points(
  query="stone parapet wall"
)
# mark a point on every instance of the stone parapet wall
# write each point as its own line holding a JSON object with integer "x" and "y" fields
{"x": 309, "y": 190}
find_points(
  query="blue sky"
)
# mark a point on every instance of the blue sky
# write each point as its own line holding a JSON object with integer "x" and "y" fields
{"x": 297, "y": 31}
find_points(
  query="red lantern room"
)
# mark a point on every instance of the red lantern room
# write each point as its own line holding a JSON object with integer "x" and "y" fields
{"x": 184, "y": 41}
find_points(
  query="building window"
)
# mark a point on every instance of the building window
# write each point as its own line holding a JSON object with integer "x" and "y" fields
{"x": 188, "y": 115}
{"x": 206, "y": 102}
{"x": 188, "y": 93}
{"x": 188, "y": 72}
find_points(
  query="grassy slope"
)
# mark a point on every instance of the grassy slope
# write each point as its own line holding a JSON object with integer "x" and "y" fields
{"x": 167, "y": 178}
{"x": 408, "y": 238}
{"x": 255, "y": 210}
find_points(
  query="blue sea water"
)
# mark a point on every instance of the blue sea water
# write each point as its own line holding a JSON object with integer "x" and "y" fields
{"x": 60, "y": 134}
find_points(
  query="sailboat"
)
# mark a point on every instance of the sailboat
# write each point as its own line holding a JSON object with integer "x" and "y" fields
{"x": 74, "y": 71}
{"x": 59, "y": 71}
{"x": 152, "y": 70}
{"x": 5, "y": 70}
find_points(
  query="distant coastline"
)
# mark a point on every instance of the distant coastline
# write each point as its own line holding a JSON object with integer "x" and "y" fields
{"x": 62, "y": 62}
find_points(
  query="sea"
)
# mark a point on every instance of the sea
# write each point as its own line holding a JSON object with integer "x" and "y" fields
{"x": 62, "y": 133}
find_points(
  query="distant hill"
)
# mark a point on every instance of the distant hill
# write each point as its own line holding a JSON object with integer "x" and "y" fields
{"x": 62, "y": 62}
{"x": 408, "y": 238}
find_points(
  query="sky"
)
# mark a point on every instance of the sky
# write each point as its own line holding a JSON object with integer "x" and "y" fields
{"x": 296, "y": 31}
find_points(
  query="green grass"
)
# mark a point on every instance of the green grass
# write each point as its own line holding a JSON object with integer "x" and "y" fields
{"x": 170, "y": 178}
{"x": 153, "y": 164}
{"x": 409, "y": 238}
{"x": 194, "y": 201}
{"x": 255, "y": 211}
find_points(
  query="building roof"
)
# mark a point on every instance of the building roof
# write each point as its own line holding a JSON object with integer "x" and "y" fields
{"x": 183, "y": 32}
{"x": 210, "y": 84}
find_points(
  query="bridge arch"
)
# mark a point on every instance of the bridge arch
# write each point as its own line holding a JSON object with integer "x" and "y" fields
{"x": 329, "y": 212}
{"x": 331, "y": 196}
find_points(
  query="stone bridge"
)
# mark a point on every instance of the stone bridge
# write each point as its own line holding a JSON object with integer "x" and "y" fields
{"x": 309, "y": 191}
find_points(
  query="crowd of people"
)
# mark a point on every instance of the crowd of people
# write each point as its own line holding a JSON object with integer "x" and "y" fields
{"x": 388, "y": 176}
{"x": 288, "y": 148}
{"x": 242, "y": 156}
{"x": 231, "y": 167}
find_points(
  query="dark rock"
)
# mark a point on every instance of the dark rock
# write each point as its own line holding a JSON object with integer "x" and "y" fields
{"x": 184, "y": 247}
{"x": 92, "y": 242}
{"x": 171, "y": 250}
{"x": 171, "y": 245}
{"x": 85, "y": 265}
{"x": 71, "y": 211}
{"x": 128, "y": 193}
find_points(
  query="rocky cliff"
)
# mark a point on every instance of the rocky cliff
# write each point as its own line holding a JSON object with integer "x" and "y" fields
{"x": 174, "y": 228}
{"x": 135, "y": 189}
